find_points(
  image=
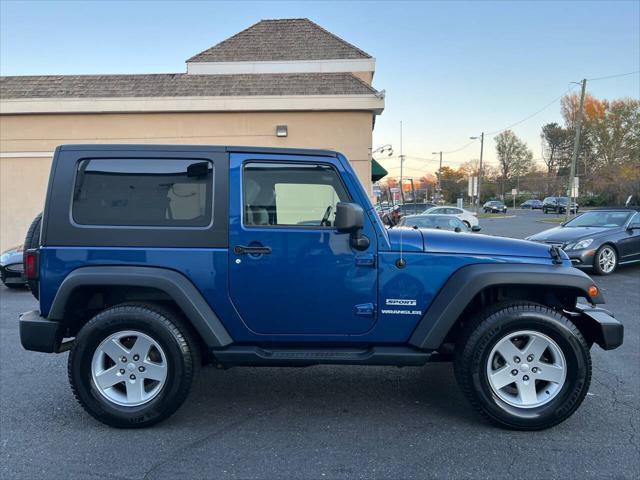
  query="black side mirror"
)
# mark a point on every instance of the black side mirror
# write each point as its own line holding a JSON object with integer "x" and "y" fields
{"x": 350, "y": 219}
{"x": 476, "y": 228}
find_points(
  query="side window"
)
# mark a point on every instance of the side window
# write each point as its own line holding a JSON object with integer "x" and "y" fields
{"x": 291, "y": 194}
{"x": 149, "y": 192}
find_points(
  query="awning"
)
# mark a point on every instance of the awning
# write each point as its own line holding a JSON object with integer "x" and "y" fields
{"x": 377, "y": 171}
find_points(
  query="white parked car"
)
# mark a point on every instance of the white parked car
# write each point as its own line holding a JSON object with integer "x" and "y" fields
{"x": 467, "y": 217}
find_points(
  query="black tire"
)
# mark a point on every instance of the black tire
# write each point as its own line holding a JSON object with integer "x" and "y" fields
{"x": 597, "y": 269}
{"x": 32, "y": 240}
{"x": 164, "y": 326}
{"x": 544, "y": 210}
{"x": 482, "y": 334}
{"x": 13, "y": 286}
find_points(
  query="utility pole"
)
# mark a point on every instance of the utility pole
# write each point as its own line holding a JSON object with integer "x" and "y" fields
{"x": 401, "y": 163}
{"x": 479, "y": 169}
{"x": 576, "y": 147}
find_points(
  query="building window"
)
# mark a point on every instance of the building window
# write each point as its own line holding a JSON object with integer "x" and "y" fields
{"x": 143, "y": 192}
{"x": 291, "y": 194}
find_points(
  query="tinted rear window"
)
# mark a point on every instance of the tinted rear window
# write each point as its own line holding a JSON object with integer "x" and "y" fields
{"x": 143, "y": 192}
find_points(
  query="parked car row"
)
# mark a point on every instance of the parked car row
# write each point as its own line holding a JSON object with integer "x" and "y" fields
{"x": 437, "y": 222}
{"x": 558, "y": 205}
{"x": 533, "y": 204}
{"x": 494, "y": 206}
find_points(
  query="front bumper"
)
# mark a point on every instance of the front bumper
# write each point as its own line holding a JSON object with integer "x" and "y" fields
{"x": 581, "y": 258}
{"x": 599, "y": 325}
{"x": 39, "y": 334}
{"x": 12, "y": 273}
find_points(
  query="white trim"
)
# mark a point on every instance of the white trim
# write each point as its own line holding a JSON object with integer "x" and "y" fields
{"x": 15, "y": 106}
{"x": 26, "y": 154}
{"x": 282, "y": 66}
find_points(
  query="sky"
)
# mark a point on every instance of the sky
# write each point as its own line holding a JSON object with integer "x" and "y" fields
{"x": 450, "y": 70}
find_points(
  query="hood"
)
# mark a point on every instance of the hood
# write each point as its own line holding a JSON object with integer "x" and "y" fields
{"x": 438, "y": 241}
{"x": 567, "y": 234}
{"x": 406, "y": 239}
{"x": 12, "y": 255}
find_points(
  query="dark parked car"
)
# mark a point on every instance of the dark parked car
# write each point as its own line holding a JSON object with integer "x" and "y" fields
{"x": 533, "y": 204}
{"x": 602, "y": 239}
{"x": 494, "y": 206}
{"x": 438, "y": 222}
{"x": 12, "y": 269}
{"x": 415, "y": 208}
{"x": 558, "y": 205}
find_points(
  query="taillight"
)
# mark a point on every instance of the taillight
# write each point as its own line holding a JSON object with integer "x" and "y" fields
{"x": 31, "y": 264}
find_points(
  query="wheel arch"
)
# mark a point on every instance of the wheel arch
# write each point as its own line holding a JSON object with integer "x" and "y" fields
{"x": 475, "y": 287}
{"x": 107, "y": 285}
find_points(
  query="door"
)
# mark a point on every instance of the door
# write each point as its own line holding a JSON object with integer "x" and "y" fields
{"x": 629, "y": 244}
{"x": 291, "y": 272}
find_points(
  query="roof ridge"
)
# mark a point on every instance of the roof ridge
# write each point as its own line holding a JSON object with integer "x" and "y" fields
{"x": 362, "y": 81}
{"x": 217, "y": 53}
{"x": 224, "y": 41}
{"x": 342, "y": 40}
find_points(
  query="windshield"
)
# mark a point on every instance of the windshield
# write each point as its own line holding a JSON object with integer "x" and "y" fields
{"x": 607, "y": 219}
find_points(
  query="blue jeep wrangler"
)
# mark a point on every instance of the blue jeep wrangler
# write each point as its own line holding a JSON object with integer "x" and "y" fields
{"x": 150, "y": 261}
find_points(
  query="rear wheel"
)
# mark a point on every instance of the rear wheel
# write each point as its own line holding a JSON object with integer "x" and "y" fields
{"x": 132, "y": 365}
{"x": 32, "y": 240}
{"x": 524, "y": 366}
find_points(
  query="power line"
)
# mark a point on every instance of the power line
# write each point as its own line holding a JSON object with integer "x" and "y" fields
{"x": 527, "y": 117}
{"x": 613, "y": 76}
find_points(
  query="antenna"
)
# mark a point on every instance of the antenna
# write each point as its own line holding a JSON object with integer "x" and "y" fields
{"x": 401, "y": 262}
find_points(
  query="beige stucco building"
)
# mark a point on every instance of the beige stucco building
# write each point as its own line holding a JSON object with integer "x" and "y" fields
{"x": 276, "y": 73}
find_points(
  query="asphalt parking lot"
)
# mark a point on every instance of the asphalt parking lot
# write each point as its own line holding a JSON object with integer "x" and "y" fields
{"x": 322, "y": 422}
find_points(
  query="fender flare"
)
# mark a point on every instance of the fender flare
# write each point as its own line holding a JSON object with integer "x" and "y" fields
{"x": 468, "y": 281}
{"x": 174, "y": 284}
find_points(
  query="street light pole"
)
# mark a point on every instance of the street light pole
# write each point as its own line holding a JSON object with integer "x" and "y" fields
{"x": 479, "y": 169}
{"x": 439, "y": 173}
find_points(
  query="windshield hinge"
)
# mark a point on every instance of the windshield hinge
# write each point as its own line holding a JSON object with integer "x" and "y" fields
{"x": 556, "y": 254}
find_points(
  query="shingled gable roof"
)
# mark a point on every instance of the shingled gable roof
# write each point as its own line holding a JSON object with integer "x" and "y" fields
{"x": 281, "y": 40}
{"x": 181, "y": 85}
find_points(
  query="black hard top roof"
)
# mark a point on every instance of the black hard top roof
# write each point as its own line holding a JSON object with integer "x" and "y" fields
{"x": 200, "y": 148}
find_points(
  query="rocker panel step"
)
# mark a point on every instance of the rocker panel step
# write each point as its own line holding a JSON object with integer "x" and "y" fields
{"x": 286, "y": 356}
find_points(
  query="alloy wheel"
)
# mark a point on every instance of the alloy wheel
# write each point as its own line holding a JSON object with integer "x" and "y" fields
{"x": 607, "y": 259}
{"x": 526, "y": 369}
{"x": 129, "y": 368}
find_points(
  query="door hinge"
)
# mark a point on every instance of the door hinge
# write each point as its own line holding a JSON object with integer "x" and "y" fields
{"x": 366, "y": 260}
{"x": 365, "y": 309}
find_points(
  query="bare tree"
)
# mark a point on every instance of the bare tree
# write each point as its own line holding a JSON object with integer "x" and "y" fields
{"x": 556, "y": 143}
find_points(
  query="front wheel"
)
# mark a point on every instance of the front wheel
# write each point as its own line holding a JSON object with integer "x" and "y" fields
{"x": 524, "y": 366}
{"x": 605, "y": 260}
{"x": 132, "y": 365}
